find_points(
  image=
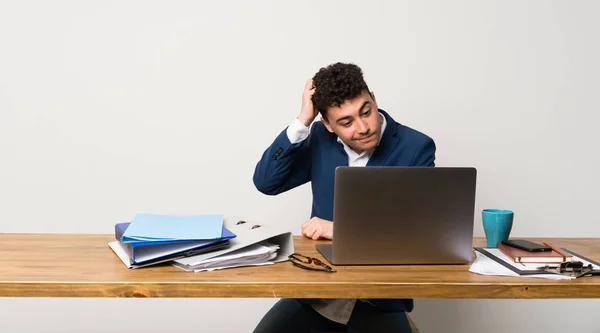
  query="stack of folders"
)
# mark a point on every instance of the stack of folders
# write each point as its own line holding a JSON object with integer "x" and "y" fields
{"x": 150, "y": 239}
{"x": 199, "y": 243}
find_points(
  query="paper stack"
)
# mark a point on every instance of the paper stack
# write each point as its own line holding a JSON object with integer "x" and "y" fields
{"x": 255, "y": 244}
{"x": 152, "y": 239}
{"x": 199, "y": 243}
{"x": 486, "y": 265}
{"x": 253, "y": 255}
{"x": 492, "y": 261}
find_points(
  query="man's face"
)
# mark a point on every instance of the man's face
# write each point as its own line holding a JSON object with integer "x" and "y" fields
{"x": 356, "y": 122}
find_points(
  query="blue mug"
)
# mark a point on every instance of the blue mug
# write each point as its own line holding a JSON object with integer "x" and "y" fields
{"x": 497, "y": 224}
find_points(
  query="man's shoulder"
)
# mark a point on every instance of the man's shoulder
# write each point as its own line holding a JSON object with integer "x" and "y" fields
{"x": 412, "y": 135}
{"x": 406, "y": 133}
{"x": 319, "y": 130}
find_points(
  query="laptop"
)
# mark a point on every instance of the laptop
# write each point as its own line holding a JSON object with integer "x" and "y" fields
{"x": 402, "y": 215}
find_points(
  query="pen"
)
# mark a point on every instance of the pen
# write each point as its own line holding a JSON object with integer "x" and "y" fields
{"x": 557, "y": 250}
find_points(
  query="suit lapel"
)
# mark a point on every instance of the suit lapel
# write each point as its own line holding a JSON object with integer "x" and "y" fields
{"x": 338, "y": 154}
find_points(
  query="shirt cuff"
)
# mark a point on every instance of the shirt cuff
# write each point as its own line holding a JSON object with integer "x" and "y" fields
{"x": 297, "y": 131}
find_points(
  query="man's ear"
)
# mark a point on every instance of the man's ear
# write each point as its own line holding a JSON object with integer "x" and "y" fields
{"x": 373, "y": 97}
{"x": 327, "y": 125}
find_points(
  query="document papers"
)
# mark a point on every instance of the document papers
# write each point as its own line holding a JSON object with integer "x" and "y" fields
{"x": 487, "y": 266}
{"x": 253, "y": 255}
{"x": 240, "y": 243}
{"x": 255, "y": 244}
{"x": 491, "y": 261}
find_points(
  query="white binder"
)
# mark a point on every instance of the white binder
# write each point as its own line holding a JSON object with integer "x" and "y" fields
{"x": 247, "y": 233}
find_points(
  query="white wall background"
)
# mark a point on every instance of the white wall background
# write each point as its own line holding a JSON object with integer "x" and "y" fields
{"x": 109, "y": 108}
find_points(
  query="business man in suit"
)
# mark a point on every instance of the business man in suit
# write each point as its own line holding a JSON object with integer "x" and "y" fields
{"x": 352, "y": 131}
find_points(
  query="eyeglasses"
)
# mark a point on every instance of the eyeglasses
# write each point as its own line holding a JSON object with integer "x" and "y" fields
{"x": 310, "y": 263}
{"x": 570, "y": 268}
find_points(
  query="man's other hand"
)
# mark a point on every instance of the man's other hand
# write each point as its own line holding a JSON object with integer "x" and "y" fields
{"x": 316, "y": 228}
{"x": 307, "y": 112}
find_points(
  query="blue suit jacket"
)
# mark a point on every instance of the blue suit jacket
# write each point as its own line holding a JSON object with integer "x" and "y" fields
{"x": 284, "y": 166}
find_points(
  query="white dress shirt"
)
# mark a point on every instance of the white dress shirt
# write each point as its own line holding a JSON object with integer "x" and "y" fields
{"x": 338, "y": 310}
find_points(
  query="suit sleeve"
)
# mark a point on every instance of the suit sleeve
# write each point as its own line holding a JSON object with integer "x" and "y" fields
{"x": 284, "y": 165}
{"x": 425, "y": 154}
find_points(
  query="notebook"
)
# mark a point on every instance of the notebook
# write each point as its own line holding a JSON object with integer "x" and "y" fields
{"x": 544, "y": 257}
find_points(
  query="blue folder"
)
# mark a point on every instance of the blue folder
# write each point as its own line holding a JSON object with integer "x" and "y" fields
{"x": 144, "y": 252}
{"x": 155, "y": 227}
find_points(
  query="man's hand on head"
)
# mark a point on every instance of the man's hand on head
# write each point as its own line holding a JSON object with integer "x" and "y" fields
{"x": 307, "y": 112}
{"x": 316, "y": 228}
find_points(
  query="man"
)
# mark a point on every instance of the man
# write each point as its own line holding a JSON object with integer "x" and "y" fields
{"x": 352, "y": 131}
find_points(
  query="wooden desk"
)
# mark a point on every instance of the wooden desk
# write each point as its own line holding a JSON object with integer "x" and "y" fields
{"x": 57, "y": 265}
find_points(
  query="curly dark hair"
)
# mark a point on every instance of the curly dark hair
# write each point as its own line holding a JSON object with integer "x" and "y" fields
{"x": 336, "y": 84}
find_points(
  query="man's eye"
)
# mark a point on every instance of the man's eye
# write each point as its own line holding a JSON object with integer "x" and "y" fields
{"x": 346, "y": 124}
{"x": 366, "y": 113}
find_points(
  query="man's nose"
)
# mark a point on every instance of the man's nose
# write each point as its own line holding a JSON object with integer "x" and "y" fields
{"x": 363, "y": 127}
